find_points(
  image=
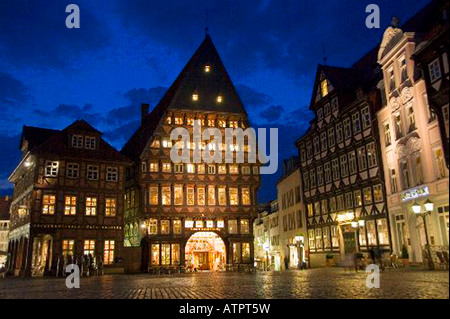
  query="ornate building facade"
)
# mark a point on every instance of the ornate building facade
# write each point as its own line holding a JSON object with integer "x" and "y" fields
{"x": 68, "y": 201}
{"x": 340, "y": 163}
{"x": 5, "y": 203}
{"x": 198, "y": 215}
{"x": 411, "y": 140}
{"x": 293, "y": 233}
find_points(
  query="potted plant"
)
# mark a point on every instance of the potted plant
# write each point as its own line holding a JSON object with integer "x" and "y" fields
{"x": 330, "y": 260}
{"x": 405, "y": 256}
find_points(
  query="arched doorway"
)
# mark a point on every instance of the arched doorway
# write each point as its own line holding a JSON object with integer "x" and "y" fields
{"x": 205, "y": 251}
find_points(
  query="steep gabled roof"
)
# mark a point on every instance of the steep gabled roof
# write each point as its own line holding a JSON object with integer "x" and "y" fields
{"x": 192, "y": 80}
{"x": 58, "y": 143}
{"x": 35, "y": 135}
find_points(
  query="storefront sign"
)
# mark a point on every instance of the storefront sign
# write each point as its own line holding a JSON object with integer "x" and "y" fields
{"x": 346, "y": 217}
{"x": 415, "y": 193}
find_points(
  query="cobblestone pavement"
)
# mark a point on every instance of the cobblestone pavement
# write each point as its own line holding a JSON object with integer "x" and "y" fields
{"x": 312, "y": 283}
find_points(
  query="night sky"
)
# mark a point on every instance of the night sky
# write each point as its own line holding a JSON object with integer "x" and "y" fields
{"x": 128, "y": 52}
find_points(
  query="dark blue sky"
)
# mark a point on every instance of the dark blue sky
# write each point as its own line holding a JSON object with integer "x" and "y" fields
{"x": 128, "y": 52}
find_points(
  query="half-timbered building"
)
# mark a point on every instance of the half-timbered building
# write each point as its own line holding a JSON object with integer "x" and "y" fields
{"x": 343, "y": 186}
{"x": 68, "y": 201}
{"x": 192, "y": 215}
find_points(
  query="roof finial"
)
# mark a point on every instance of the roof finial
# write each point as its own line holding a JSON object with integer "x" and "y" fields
{"x": 207, "y": 22}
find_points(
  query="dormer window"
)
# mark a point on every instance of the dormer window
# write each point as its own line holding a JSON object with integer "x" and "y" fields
{"x": 219, "y": 99}
{"x": 207, "y": 68}
{"x": 194, "y": 97}
{"x": 324, "y": 87}
{"x": 77, "y": 141}
{"x": 89, "y": 142}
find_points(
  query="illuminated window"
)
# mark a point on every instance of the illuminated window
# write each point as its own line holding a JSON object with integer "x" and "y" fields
{"x": 92, "y": 172}
{"x": 201, "y": 196}
{"x": 175, "y": 254}
{"x": 154, "y": 167}
{"x": 367, "y": 195}
{"x": 245, "y": 170}
{"x": 154, "y": 195}
{"x": 199, "y": 224}
{"x": 358, "y": 198}
{"x": 177, "y": 226}
{"x": 222, "y": 196}
{"x": 222, "y": 169}
{"x": 326, "y": 237}
{"x": 335, "y": 236}
{"x": 178, "y": 168}
{"x": 166, "y": 198}
{"x": 440, "y": 163}
{"x": 200, "y": 122}
{"x": 312, "y": 243}
{"x": 245, "y": 226}
{"x": 194, "y": 97}
{"x": 70, "y": 205}
{"x": 201, "y": 169}
{"x": 110, "y": 207}
{"x": 68, "y": 246}
{"x": 168, "y": 120}
{"x": 234, "y": 200}
{"x": 310, "y": 210}
{"x": 246, "y": 196}
{"x": 255, "y": 170}
{"x": 232, "y": 226}
{"x": 90, "y": 142}
{"x": 91, "y": 206}
{"x": 324, "y": 87}
{"x": 371, "y": 233}
{"x": 155, "y": 255}
{"x": 112, "y": 174}
{"x": 371, "y": 155}
{"x": 211, "y": 195}
{"x": 178, "y": 198}
{"x": 109, "y": 252}
{"x": 219, "y": 99}
{"x": 89, "y": 248}
{"x": 222, "y": 123}
{"x": 377, "y": 193}
{"x": 165, "y": 254}
{"x": 318, "y": 232}
{"x": 190, "y": 168}
{"x": 211, "y": 123}
{"x": 190, "y": 196}
{"x": 211, "y": 169}
{"x": 207, "y": 68}
{"x": 362, "y": 160}
{"x": 209, "y": 224}
{"x": 166, "y": 143}
{"x": 245, "y": 252}
{"x": 189, "y": 224}
{"x": 153, "y": 226}
{"x": 48, "y": 204}
{"x": 165, "y": 227}
{"x": 51, "y": 168}
{"x": 166, "y": 167}
{"x": 234, "y": 124}
{"x": 220, "y": 224}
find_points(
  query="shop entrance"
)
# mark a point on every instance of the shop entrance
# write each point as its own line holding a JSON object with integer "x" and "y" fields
{"x": 205, "y": 251}
{"x": 349, "y": 242}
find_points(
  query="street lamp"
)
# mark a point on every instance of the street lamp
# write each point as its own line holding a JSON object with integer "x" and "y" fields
{"x": 417, "y": 209}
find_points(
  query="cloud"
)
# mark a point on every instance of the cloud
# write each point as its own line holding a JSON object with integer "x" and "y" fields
{"x": 272, "y": 113}
{"x": 72, "y": 112}
{"x": 120, "y": 135}
{"x": 35, "y": 32}
{"x": 136, "y": 97}
{"x": 12, "y": 91}
{"x": 251, "y": 97}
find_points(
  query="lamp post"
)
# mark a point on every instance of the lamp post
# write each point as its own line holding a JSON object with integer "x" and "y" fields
{"x": 417, "y": 209}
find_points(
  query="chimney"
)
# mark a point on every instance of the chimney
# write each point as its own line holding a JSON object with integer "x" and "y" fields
{"x": 144, "y": 111}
